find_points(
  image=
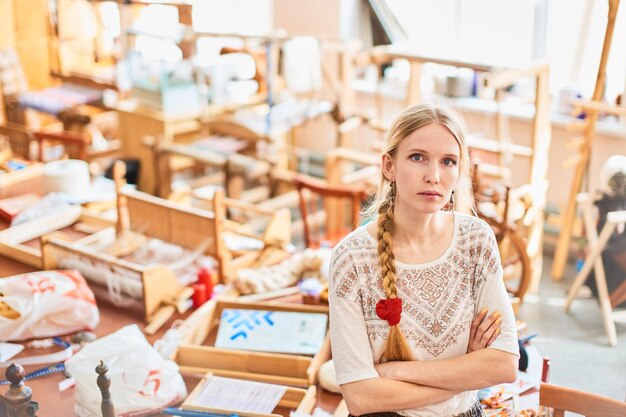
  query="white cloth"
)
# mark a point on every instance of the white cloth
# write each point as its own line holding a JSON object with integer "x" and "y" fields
{"x": 440, "y": 300}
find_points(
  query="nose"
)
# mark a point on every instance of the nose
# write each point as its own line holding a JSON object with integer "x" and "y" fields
{"x": 432, "y": 175}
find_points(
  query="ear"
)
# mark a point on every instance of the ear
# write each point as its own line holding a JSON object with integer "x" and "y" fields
{"x": 387, "y": 165}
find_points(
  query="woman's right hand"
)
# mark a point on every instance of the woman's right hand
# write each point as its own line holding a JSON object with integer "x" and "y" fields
{"x": 485, "y": 329}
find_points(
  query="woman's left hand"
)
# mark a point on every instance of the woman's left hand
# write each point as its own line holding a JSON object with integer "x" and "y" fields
{"x": 484, "y": 330}
{"x": 387, "y": 369}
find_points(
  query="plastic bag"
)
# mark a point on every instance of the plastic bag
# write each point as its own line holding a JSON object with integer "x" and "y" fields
{"x": 44, "y": 304}
{"x": 142, "y": 382}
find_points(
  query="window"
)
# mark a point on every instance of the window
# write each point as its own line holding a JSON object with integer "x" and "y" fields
{"x": 568, "y": 33}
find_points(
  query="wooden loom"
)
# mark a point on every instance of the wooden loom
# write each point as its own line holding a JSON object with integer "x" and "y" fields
{"x": 233, "y": 168}
{"x": 195, "y": 354}
{"x": 155, "y": 285}
{"x": 13, "y": 240}
{"x": 197, "y": 230}
{"x": 584, "y": 143}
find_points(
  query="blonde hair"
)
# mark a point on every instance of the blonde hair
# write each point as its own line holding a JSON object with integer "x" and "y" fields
{"x": 405, "y": 123}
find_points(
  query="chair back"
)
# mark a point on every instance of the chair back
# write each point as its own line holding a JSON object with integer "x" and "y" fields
{"x": 74, "y": 143}
{"x": 562, "y": 399}
{"x": 331, "y": 213}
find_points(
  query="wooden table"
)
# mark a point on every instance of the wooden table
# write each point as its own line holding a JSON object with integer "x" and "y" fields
{"x": 45, "y": 389}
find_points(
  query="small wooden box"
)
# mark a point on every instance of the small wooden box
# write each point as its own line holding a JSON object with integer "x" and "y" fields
{"x": 298, "y": 399}
{"x": 196, "y": 354}
{"x": 30, "y": 172}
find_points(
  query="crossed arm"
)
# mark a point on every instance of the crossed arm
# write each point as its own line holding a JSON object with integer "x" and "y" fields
{"x": 414, "y": 384}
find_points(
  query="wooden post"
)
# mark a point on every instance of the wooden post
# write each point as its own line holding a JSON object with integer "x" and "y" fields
{"x": 221, "y": 253}
{"x": 503, "y": 136}
{"x": 562, "y": 247}
{"x": 413, "y": 95}
{"x": 123, "y": 220}
{"x": 104, "y": 382}
{"x": 542, "y": 133}
{"x": 18, "y": 397}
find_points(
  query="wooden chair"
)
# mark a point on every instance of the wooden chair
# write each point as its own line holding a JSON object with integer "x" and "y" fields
{"x": 77, "y": 145}
{"x": 333, "y": 233}
{"x": 562, "y": 399}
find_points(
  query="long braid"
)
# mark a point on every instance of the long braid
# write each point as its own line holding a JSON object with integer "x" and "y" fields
{"x": 396, "y": 347}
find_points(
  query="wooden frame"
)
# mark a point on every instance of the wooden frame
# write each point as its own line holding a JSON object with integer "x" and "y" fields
{"x": 192, "y": 228}
{"x": 293, "y": 370}
{"x": 275, "y": 236}
{"x": 302, "y": 400}
{"x": 161, "y": 219}
{"x": 80, "y": 140}
{"x": 28, "y": 173}
{"x": 592, "y": 107}
{"x": 562, "y": 399}
{"x": 163, "y": 150}
{"x": 594, "y": 261}
{"x": 21, "y": 137}
{"x": 13, "y": 239}
{"x": 335, "y": 192}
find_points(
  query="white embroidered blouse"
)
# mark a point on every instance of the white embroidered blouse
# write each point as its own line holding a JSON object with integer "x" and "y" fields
{"x": 440, "y": 300}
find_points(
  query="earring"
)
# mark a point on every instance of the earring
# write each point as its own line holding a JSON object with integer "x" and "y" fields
{"x": 451, "y": 204}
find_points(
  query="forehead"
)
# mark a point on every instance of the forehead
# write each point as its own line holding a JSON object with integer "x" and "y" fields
{"x": 433, "y": 138}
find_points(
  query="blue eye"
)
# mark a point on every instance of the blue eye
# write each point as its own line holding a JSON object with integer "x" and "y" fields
{"x": 416, "y": 157}
{"x": 449, "y": 162}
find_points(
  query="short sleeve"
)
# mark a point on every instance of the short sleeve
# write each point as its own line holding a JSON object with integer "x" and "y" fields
{"x": 351, "y": 351}
{"x": 492, "y": 294}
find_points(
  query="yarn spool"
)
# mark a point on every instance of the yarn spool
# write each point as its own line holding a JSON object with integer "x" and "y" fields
{"x": 69, "y": 176}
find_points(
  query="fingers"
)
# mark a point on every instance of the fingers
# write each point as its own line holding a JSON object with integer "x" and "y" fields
{"x": 495, "y": 320}
{"x": 477, "y": 321}
{"x": 494, "y": 337}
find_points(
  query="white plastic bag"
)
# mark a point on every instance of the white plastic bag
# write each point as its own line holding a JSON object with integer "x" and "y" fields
{"x": 142, "y": 382}
{"x": 44, "y": 304}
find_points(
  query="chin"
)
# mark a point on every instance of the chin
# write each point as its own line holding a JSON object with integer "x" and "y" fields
{"x": 429, "y": 208}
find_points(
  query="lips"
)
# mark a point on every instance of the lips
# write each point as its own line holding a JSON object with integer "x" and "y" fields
{"x": 430, "y": 193}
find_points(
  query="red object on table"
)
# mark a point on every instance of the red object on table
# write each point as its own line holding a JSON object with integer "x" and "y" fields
{"x": 205, "y": 277}
{"x": 199, "y": 294}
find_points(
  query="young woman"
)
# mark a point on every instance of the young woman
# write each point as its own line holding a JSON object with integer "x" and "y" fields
{"x": 419, "y": 316}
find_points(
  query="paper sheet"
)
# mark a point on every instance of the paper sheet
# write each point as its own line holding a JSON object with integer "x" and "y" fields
{"x": 239, "y": 395}
{"x": 272, "y": 331}
{"x": 8, "y": 350}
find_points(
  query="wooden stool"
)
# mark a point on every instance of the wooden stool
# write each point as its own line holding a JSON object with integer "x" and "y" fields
{"x": 593, "y": 260}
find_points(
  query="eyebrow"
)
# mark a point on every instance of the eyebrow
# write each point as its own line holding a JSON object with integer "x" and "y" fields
{"x": 417, "y": 150}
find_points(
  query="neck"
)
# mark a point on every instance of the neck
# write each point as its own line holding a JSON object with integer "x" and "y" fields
{"x": 415, "y": 229}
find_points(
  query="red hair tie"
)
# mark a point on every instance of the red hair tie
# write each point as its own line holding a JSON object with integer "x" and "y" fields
{"x": 390, "y": 309}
